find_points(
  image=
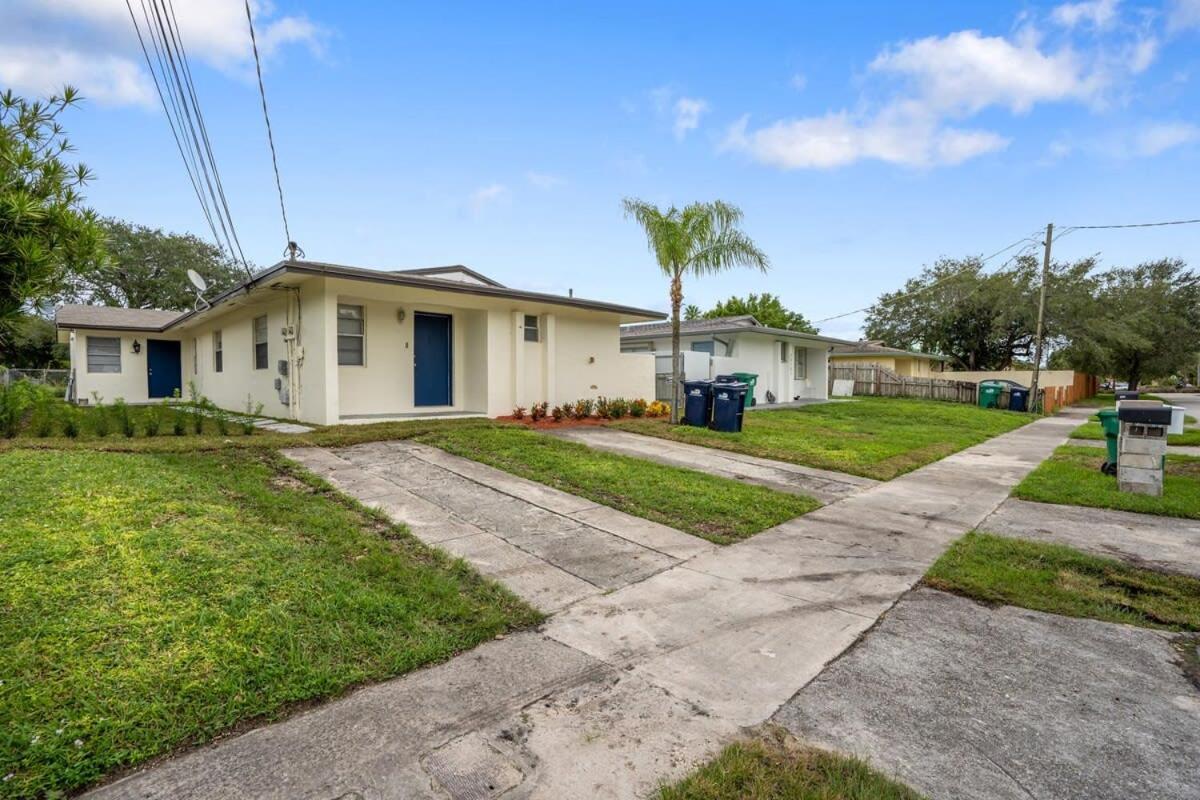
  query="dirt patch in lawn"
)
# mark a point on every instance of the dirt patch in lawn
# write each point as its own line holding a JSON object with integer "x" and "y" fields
{"x": 551, "y": 424}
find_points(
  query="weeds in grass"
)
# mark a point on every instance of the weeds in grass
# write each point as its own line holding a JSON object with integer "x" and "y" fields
{"x": 43, "y": 420}
{"x": 120, "y": 410}
{"x": 15, "y": 401}
{"x": 70, "y": 422}
{"x": 101, "y": 424}
{"x": 252, "y": 410}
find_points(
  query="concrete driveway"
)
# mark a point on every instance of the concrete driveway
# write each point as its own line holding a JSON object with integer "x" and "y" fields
{"x": 966, "y": 702}
{"x": 624, "y": 687}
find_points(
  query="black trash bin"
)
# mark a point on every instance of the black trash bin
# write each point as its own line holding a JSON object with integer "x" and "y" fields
{"x": 728, "y": 406}
{"x": 1018, "y": 398}
{"x": 697, "y": 402}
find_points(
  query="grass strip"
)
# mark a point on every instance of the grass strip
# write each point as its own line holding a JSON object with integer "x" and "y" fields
{"x": 1061, "y": 580}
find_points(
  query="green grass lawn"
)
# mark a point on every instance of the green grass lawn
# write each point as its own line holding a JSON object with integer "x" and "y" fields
{"x": 1108, "y": 399}
{"x": 1072, "y": 476}
{"x": 1061, "y": 580}
{"x": 873, "y": 437}
{"x": 774, "y": 766}
{"x": 149, "y": 602}
{"x": 719, "y": 509}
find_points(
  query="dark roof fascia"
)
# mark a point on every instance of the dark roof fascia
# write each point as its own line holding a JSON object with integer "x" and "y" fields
{"x": 398, "y": 278}
{"x": 627, "y": 335}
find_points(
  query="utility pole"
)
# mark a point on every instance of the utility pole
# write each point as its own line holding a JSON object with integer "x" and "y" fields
{"x": 1037, "y": 348}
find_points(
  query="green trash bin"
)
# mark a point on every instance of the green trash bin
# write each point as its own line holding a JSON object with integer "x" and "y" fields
{"x": 1112, "y": 430}
{"x": 989, "y": 394}
{"x": 750, "y": 379}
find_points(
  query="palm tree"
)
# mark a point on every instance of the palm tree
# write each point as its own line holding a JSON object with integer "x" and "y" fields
{"x": 700, "y": 239}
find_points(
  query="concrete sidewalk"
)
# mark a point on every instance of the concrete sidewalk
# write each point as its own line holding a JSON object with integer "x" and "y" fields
{"x": 825, "y": 485}
{"x": 624, "y": 689}
{"x": 1164, "y": 543}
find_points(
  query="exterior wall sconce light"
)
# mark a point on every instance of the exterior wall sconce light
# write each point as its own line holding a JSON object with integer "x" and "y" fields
{"x": 137, "y": 347}
{"x": 400, "y": 315}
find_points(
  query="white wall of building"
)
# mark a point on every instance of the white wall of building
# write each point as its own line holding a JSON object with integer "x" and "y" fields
{"x": 577, "y": 354}
{"x": 757, "y": 353}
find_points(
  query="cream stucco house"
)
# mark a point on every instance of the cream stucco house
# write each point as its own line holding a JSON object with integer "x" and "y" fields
{"x": 790, "y": 365}
{"x": 325, "y": 343}
{"x": 906, "y": 363}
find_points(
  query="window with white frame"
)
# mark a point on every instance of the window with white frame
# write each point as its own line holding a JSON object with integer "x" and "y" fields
{"x": 103, "y": 354}
{"x": 706, "y": 346}
{"x": 260, "y": 342}
{"x": 531, "y": 328}
{"x": 196, "y": 356}
{"x": 218, "y": 353}
{"x": 352, "y": 332}
{"x": 799, "y": 364}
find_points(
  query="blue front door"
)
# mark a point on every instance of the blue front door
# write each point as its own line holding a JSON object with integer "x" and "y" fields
{"x": 432, "y": 360}
{"x": 164, "y": 369}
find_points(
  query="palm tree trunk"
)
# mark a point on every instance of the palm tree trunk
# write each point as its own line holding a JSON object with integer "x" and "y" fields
{"x": 676, "y": 387}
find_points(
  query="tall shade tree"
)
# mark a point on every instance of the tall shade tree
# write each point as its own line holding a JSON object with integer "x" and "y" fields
{"x": 147, "y": 268}
{"x": 766, "y": 308}
{"x": 699, "y": 239}
{"x": 46, "y": 233}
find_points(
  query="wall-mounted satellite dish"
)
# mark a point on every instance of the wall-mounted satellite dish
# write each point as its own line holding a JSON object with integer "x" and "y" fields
{"x": 201, "y": 286}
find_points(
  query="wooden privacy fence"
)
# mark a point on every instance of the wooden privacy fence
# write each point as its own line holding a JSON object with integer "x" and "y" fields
{"x": 882, "y": 382}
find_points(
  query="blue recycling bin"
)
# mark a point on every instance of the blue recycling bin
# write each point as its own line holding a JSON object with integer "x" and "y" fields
{"x": 728, "y": 406}
{"x": 697, "y": 402}
{"x": 1018, "y": 398}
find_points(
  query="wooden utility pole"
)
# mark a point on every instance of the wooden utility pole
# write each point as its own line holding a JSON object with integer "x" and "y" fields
{"x": 1037, "y": 348}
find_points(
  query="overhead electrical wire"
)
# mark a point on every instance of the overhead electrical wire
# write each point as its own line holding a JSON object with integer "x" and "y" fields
{"x": 172, "y": 77}
{"x": 262, "y": 92}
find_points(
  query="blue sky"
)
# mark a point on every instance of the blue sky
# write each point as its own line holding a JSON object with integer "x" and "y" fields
{"x": 862, "y": 140}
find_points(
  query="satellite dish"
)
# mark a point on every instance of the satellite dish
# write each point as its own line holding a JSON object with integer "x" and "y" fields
{"x": 201, "y": 286}
{"x": 197, "y": 280}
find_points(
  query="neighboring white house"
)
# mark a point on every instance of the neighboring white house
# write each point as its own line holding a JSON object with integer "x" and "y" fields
{"x": 325, "y": 343}
{"x": 790, "y": 365}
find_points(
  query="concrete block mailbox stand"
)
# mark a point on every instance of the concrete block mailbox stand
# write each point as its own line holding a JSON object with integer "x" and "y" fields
{"x": 1142, "y": 446}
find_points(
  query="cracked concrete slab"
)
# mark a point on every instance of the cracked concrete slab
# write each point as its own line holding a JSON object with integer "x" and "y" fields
{"x": 1166, "y": 543}
{"x": 963, "y": 701}
{"x": 371, "y": 741}
{"x": 641, "y": 683}
{"x": 539, "y": 541}
{"x": 825, "y": 485}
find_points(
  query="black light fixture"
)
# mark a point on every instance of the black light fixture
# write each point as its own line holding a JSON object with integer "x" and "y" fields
{"x": 137, "y": 347}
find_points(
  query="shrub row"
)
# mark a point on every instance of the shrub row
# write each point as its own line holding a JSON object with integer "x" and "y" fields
{"x": 601, "y": 407}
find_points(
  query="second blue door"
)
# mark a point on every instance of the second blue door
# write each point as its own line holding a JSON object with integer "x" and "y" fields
{"x": 433, "y": 349}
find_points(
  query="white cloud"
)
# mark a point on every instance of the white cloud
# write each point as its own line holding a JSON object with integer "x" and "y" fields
{"x": 837, "y": 139}
{"x": 933, "y": 85}
{"x": 1098, "y": 13}
{"x": 967, "y": 72}
{"x": 1183, "y": 15}
{"x": 91, "y": 44}
{"x": 487, "y": 195}
{"x": 688, "y": 111}
{"x": 1157, "y": 138}
{"x": 543, "y": 180}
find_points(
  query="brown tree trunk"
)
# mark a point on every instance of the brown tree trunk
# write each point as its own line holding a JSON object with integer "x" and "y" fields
{"x": 676, "y": 387}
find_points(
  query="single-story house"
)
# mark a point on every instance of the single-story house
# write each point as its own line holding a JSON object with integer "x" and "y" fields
{"x": 790, "y": 365}
{"x": 325, "y": 343}
{"x": 905, "y": 363}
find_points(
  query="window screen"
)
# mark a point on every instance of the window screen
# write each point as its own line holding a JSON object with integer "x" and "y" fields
{"x": 103, "y": 354}
{"x": 218, "y": 353}
{"x": 704, "y": 347}
{"x": 531, "y": 328}
{"x": 351, "y": 335}
{"x": 800, "y": 364}
{"x": 260, "y": 342}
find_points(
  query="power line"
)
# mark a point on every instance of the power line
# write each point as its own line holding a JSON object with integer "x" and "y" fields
{"x": 1135, "y": 225}
{"x": 935, "y": 284}
{"x": 262, "y": 92}
{"x": 171, "y": 71}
